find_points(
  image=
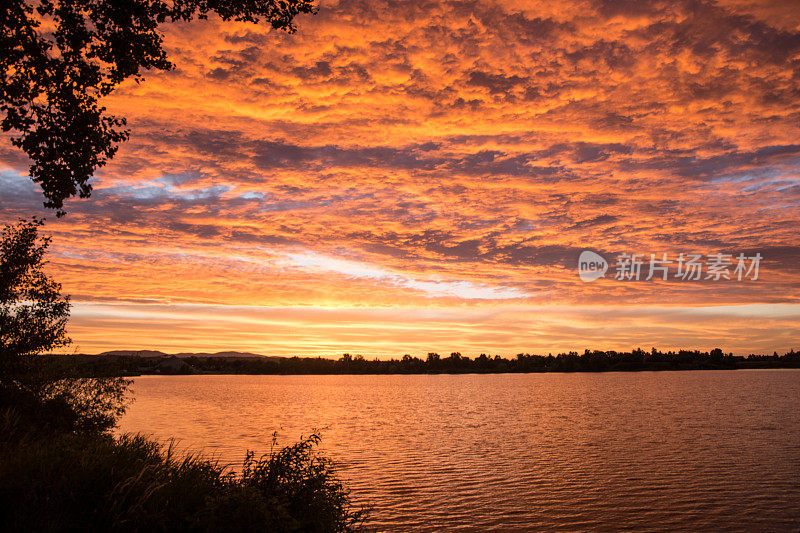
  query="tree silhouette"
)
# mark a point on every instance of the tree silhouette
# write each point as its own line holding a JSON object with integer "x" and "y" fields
{"x": 33, "y": 320}
{"x": 58, "y": 58}
{"x": 33, "y": 313}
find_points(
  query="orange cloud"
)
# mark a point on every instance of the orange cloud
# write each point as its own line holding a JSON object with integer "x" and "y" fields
{"x": 445, "y": 156}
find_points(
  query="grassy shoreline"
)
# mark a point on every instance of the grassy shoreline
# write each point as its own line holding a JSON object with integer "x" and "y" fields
{"x": 74, "y": 481}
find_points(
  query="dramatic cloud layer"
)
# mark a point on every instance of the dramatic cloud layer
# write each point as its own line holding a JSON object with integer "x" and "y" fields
{"x": 413, "y": 176}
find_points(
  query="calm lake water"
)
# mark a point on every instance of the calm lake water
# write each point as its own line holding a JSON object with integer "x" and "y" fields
{"x": 692, "y": 450}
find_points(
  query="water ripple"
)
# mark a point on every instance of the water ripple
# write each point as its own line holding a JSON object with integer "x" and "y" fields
{"x": 649, "y": 451}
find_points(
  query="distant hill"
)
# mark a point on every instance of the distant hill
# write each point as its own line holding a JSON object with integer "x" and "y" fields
{"x": 183, "y": 355}
{"x": 134, "y": 353}
{"x": 224, "y": 354}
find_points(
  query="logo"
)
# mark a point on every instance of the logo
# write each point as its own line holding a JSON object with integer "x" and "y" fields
{"x": 685, "y": 267}
{"x": 591, "y": 266}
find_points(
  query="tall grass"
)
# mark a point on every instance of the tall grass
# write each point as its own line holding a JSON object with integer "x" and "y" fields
{"x": 68, "y": 481}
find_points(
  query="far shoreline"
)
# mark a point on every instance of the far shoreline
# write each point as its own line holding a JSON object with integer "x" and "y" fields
{"x": 554, "y": 372}
{"x": 132, "y": 364}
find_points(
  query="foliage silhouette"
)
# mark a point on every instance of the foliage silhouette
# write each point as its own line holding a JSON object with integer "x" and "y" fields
{"x": 33, "y": 313}
{"x": 95, "y": 482}
{"x": 59, "y": 58}
{"x": 33, "y": 319}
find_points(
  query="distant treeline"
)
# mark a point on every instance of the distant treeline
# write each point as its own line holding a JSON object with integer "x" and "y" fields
{"x": 589, "y": 361}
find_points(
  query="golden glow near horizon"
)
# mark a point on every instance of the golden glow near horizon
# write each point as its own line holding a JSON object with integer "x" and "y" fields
{"x": 422, "y": 176}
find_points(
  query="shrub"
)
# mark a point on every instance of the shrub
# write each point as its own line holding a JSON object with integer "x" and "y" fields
{"x": 93, "y": 481}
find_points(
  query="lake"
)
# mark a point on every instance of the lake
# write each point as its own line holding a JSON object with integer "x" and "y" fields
{"x": 512, "y": 452}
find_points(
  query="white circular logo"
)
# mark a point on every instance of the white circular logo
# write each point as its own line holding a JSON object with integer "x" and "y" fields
{"x": 591, "y": 266}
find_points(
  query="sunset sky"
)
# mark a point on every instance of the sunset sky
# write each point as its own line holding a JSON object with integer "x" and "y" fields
{"x": 412, "y": 176}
